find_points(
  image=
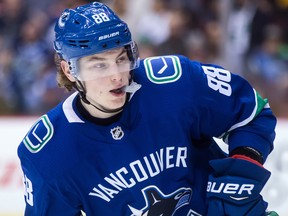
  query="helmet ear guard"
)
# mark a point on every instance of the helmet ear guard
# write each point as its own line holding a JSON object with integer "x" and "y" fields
{"x": 133, "y": 54}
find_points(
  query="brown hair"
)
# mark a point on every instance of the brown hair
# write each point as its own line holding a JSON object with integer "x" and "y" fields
{"x": 62, "y": 80}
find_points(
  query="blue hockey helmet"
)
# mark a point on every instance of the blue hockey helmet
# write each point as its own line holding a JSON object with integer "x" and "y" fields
{"x": 90, "y": 29}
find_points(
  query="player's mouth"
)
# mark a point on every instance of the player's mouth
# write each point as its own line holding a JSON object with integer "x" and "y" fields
{"x": 118, "y": 91}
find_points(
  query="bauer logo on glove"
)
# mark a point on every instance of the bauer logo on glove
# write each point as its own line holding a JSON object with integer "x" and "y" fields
{"x": 243, "y": 191}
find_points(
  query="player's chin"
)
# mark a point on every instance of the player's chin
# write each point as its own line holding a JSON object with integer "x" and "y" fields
{"x": 118, "y": 102}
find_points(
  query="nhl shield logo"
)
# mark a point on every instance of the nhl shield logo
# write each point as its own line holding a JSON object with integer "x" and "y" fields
{"x": 117, "y": 133}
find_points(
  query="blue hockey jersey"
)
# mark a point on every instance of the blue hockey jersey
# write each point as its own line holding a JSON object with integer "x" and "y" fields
{"x": 154, "y": 159}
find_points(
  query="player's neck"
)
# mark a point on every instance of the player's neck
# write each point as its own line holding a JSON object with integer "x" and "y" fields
{"x": 100, "y": 121}
{"x": 98, "y": 113}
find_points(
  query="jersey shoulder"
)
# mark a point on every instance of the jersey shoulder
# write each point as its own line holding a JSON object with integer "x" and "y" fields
{"x": 50, "y": 139}
{"x": 49, "y": 127}
{"x": 170, "y": 69}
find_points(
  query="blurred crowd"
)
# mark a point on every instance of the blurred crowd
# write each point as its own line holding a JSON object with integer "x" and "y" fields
{"x": 247, "y": 37}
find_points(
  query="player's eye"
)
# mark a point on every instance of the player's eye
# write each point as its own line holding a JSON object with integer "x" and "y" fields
{"x": 122, "y": 59}
{"x": 98, "y": 66}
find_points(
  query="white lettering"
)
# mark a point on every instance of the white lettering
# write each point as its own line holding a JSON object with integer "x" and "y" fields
{"x": 229, "y": 188}
{"x": 209, "y": 186}
{"x": 181, "y": 157}
{"x": 160, "y": 159}
{"x": 28, "y": 190}
{"x": 246, "y": 187}
{"x": 213, "y": 190}
{"x": 100, "y": 194}
{"x": 108, "y": 191}
{"x": 151, "y": 172}
{"x": 141, "y": 170}
{"x": 103, "y": 37}
{"x": 117, "y": 183}
{"x": 137, "y": 174}
{"x": 169, "y": 157}
{"x": 124, "y": 170}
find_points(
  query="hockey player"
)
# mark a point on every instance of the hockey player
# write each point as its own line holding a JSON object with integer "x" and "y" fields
{"x": 136, "y": 137}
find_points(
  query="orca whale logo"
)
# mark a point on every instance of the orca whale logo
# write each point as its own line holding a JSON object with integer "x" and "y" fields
{"x": 159, "y": 204}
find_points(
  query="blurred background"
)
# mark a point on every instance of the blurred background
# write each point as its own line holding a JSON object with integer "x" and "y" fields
{"x": 247, "y": 37}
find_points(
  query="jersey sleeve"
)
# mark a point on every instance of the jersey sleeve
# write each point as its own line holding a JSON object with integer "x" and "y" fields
{"x": 228, "y": 107}
{"x": 42, "y": 198}
{"x": 46, "y": 191}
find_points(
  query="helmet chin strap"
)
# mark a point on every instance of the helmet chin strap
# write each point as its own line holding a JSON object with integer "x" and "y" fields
{"x": 82, "y": 92}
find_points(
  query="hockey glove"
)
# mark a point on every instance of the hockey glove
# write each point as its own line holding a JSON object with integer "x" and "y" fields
{"x": 234, "y": 188}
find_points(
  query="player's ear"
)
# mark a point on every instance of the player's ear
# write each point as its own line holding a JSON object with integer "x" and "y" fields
{"x": 65, "y": 68}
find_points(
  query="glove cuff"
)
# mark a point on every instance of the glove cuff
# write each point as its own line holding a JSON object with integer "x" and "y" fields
{"x": 249, "y": 152}
{"x": 243, "y": 157}
{"x": 239, "y": 168}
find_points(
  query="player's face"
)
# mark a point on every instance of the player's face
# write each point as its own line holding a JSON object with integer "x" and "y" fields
{"x": 104, "y": 64}
{"x": 105, "y": 75}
